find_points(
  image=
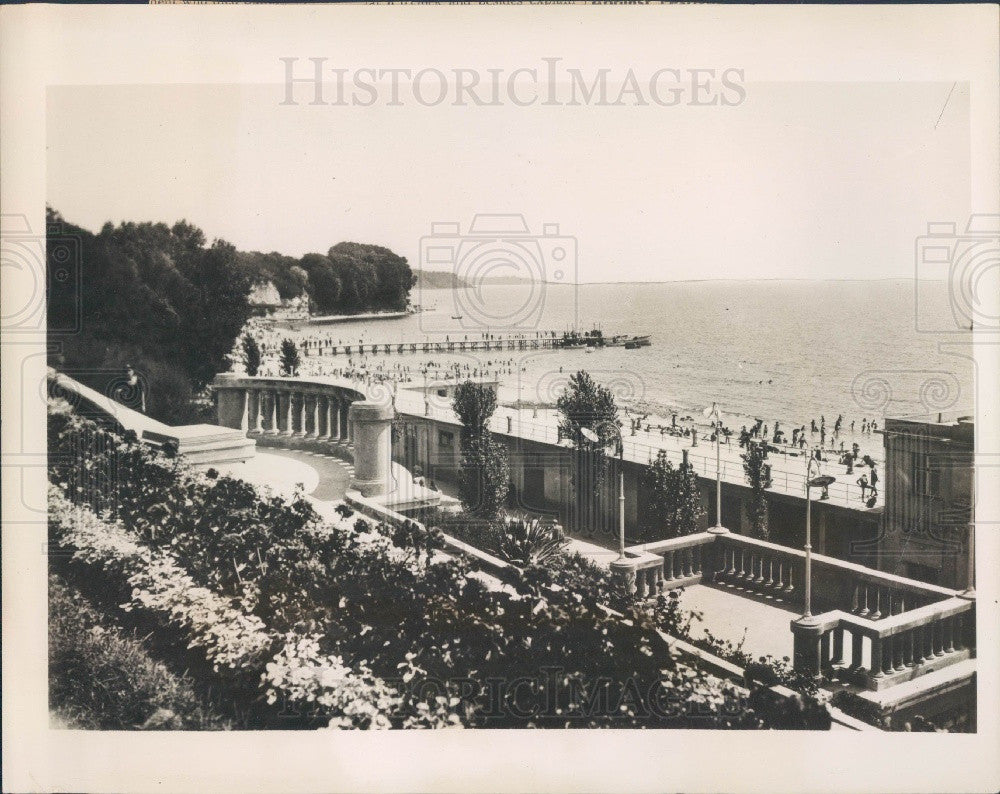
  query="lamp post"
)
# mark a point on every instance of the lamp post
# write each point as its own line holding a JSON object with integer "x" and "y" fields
{"x": 819, "y": 481}
{"x": 713, "y": 413}
{"x": 810, "y": 650}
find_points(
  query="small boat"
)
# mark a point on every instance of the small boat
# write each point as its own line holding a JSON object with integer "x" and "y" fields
{"x": 456, "y": 317}
{"x": 631, "y": 344}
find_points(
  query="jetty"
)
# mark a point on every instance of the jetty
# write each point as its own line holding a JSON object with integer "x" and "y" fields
{"x": 538, "y": 340}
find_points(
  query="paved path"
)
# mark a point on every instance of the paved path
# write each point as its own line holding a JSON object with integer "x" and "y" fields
{"x": 323, "y": 477}
{"x": 762, "y": 627}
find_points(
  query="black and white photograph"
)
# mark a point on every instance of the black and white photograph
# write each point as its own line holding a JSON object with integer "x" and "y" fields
{"x": 371, "y": 369}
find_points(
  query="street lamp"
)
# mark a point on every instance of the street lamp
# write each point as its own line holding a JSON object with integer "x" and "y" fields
{"x": 713, "y": 413}
{"x": 819, "y": 481}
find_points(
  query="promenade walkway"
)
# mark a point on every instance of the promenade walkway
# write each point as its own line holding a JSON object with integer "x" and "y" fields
{"x": 788, "y": 469}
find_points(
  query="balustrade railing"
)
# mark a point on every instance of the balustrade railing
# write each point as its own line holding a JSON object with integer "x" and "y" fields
{"x": 877, "y": 626}
{"x": 896, "y": 648}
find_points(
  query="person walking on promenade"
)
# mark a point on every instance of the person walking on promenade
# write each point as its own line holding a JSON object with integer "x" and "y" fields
{"x": 812, "y": 425}
{"x": 863, "y": 482}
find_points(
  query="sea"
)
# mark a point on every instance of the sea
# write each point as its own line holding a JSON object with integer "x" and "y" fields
{"x": 776, "y": 350}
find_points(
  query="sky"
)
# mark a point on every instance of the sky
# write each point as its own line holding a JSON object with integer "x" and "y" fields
{"x": 800, "y": 180}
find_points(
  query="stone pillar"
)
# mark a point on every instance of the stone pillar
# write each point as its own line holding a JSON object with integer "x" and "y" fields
{"x": 315, "y": 428}
{"x": 371, "y": 428}
{"x": 332, "y": 425}
{"x": 345, "y": 425}
{"x": 257, "y": 410}
{"x": 807, "y": 646}
{"x": 322, "y": 430}
{"x": 274, "y": 412}
{"x": 229, "y": 401}
{"x": 245, "y": 416}
{"x": 289, "y": 416}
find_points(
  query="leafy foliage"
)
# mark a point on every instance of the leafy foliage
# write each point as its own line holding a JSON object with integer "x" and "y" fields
{"x": 484, "y": 480}
{"x": 251, "y": 355}
{"x": 527, "y": 541}
{"x": 587, "y": 405}
{"x": 674, "y": 505}
{"x": 757, "y": 475}
{"x": 155, "y": 296}
{"x": 102, "y": 678}
{"x": 354, "y": 624}
{"x": 290, "y": 360}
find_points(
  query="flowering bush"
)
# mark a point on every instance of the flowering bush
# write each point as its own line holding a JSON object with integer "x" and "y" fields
{"x": 229, "y": 637}
{"x": 341, "y": 623}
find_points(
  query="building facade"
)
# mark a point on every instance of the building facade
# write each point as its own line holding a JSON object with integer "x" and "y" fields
{"x": 928, "y": 522}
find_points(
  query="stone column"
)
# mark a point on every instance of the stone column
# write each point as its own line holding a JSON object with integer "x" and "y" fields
{"x": 274, "y": 412}
{"x": 322, "y": 415}
{"x": 229, "y": 401}
{"x": 257, "y": 410}
{"x": 370, "y": 426}
{"x": 289, "y": 416}
{"x": 315, "y": 430}
{"x": 245, "y": 416}
{"x": 334, "y": 408}
{"x": 808, "y": 645}
{"x": 345, "y": 430}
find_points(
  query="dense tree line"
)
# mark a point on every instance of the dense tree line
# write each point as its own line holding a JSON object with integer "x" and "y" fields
{"x": 155, "y": 296}
{"x": 349, "y": 278}
{"x": 164, "y": 300}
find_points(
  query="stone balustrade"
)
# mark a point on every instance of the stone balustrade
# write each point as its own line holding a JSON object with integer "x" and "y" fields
{"x": 287, "y": 407}
{"x": 684, "y": 559}
{"x": 878, "y": 628}
{"x": 321, "y": 414}
{"x": 888, "y": 651}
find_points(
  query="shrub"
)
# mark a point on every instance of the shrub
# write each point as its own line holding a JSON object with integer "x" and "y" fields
{"x": 337, "y": 624}
{"x": 527, "y": 541}
{"x": 104, "y": 679}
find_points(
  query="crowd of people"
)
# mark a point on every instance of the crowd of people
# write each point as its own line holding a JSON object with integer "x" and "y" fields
{"x": 828, "y": 444}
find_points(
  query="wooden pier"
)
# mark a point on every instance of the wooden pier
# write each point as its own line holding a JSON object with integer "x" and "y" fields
{"x": 323, "y": 347}
{"x": 539, "y": 340}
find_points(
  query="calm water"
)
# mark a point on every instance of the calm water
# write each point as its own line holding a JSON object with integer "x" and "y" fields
{"x": 778, "y": 350}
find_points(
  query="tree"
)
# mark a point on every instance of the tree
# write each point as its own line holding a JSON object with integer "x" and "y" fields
{"x": 474, "y": 405}
{"x": 289, "y": 357}
{"x": 674, "y": 505}
{"x": 690, "y": 510}
{"x": 251, "y": 355}
{"x": 484, "y": 480}
{"x": 587, "y": 405}
{"x": 148, "y": 294}
{"x": 759, "y": 478}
